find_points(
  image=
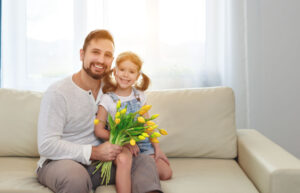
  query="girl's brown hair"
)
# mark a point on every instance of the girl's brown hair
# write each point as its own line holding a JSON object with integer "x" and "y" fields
{"x": 110, "y": 85}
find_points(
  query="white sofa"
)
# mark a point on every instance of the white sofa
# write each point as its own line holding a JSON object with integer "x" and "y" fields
{"x": 207, "y": 153}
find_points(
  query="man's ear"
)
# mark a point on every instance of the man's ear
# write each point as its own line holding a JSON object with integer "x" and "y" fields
{"x": 81, "y": 54}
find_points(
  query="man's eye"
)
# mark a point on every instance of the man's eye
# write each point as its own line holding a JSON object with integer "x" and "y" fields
{"x": 108, "y": 55}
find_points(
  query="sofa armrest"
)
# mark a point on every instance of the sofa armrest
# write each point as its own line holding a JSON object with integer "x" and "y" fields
{"x": 269, "y": 167}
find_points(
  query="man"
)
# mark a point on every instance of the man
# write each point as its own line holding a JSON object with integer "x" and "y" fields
{"x": 66, "y": 139}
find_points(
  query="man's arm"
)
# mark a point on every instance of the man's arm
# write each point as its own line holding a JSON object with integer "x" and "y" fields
{"x": 51, "y": 123}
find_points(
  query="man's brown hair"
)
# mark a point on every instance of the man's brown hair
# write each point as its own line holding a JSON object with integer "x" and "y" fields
{"x": 97, "y": 34}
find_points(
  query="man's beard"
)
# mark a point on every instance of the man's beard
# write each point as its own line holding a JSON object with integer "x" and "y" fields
{"x": 91, "y": 74}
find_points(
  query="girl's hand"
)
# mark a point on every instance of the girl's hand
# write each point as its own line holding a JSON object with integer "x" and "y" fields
{"x": 161, "y": 155}
{"x": 133, "y": 149}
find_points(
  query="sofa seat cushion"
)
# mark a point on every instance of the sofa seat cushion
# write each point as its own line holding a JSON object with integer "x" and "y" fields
{"x": 17, "y": 174}
{"x": 207, "y": 175}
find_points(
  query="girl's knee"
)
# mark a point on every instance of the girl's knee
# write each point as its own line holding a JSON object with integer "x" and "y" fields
{"x": 166, "y": 175}
{"x": 124, "y": 159}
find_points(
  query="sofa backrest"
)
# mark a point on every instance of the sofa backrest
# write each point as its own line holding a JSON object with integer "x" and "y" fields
{"x": 200, "y": 122}
{"x": 18, "y": 122}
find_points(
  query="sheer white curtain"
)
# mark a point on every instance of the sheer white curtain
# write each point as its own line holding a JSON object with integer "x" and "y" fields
{"x": 226, "y": 50}
{"x": 41, "y": 39}
{"x": 184, "y": 43}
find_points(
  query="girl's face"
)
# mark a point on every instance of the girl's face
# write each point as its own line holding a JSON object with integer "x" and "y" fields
{"x": 126, "y": 74}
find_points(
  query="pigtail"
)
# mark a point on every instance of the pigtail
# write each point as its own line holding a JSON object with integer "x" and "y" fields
{"x": 144, "y": 84}
{"x": 109, "y": 84}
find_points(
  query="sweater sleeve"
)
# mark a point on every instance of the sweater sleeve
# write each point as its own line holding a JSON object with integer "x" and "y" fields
{"x": 51, "y": 124}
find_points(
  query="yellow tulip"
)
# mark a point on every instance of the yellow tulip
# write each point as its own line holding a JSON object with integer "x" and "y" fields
{"x": 143, "y": 111}
{"x": 154, "y": 126}
{"x": 154, "y": 116}
{"x": 150, "y": 123}
{"x": 141, "y": 119}
{"x": 154, "y": 140}
{"x": 117, "y": 115}
{"x": 150, "y": 129}
{"x": 146, "y": 107}
{"x": 118, "y": 104}
{"x": 155, "y": 135}
{"x": 123, "y": 111}
{"x": 132, "y": 142}
{"x": 141, "y": 137}
{"x": 163, "y": 132}
{"x": 96, "y": 121}
{"x": 145, "y": 134}
{"x": 117, "y": 121}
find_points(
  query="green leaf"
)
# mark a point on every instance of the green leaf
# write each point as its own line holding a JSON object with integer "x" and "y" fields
{"x": 111, "y": 122}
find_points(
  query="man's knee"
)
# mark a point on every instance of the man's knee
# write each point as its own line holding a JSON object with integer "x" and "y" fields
{"x": 144, "y": 175}
{"x": 75, "y": 184}
{"x": 142, "y": 159}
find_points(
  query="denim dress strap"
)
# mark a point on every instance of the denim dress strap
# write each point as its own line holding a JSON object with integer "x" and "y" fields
{"x": 114, "y": 97}
{"x": 136, "y": 94}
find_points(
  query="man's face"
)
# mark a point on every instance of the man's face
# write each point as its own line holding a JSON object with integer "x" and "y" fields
{"x": 97, "y": 58}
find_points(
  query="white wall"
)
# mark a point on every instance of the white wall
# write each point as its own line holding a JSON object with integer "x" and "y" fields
{"x": 274, "y": 70}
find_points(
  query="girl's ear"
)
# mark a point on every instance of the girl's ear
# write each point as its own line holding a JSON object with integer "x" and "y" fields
{"x": 114, "y": 71}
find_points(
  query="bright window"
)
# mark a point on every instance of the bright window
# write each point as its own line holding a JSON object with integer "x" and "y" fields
{"x": 41, "y": 39}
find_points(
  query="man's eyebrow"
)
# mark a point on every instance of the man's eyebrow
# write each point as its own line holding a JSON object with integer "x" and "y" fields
{"x": 96, "y": 49}
{"x": 99, "y": 50}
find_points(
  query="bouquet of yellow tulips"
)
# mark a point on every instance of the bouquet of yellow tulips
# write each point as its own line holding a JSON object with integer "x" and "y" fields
{"x": 129, "y": 128}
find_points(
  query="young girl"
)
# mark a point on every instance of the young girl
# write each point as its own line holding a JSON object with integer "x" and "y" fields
{"x": 125, "y": 88}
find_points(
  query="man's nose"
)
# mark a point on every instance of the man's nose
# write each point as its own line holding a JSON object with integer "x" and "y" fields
{"x": 101, "y": 58}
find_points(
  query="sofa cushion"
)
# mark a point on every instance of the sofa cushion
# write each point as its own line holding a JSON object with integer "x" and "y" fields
{"x": 189, "y": 175}
{"x": 18, "y": 122}
{"x": 200, "y": 122}
{"x": 207, "y": 175}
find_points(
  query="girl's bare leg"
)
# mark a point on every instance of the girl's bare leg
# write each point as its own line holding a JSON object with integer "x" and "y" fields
{"x": 164, "y": 170}
{"x": 123, "y": 173}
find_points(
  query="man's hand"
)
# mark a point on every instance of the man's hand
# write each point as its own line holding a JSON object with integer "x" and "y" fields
{"x": 105, "y": 151}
